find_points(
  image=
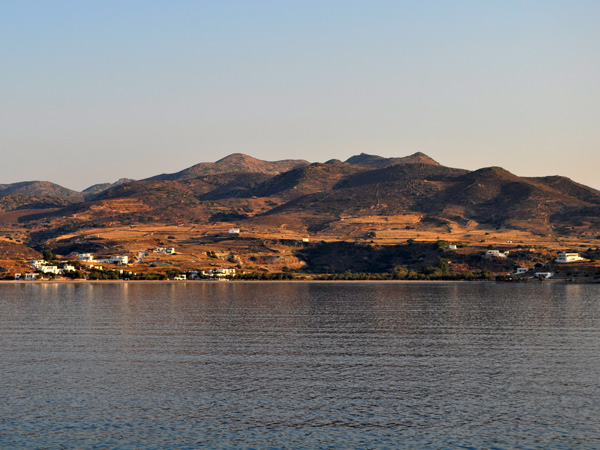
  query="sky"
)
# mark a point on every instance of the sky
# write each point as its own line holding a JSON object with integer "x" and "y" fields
{"x": 98, "y": 90}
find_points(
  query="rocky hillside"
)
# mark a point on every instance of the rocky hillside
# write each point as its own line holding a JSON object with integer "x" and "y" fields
{"x": 96, "y": 189}
{"x": 236, "y": 162}
{"x": 311, "y": 196}
{"x": 380, "y": 162}
{"x": 39, "y": 188}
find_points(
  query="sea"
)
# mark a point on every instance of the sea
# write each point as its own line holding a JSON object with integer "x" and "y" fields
{"x": 299, "y": 365}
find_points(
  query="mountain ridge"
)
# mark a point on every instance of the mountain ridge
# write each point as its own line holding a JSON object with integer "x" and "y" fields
{"x": 236, "y": 162}
{"x": 363, "y": 186}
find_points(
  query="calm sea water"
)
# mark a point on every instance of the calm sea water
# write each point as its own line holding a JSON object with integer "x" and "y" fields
{"x": 299, "y": 366}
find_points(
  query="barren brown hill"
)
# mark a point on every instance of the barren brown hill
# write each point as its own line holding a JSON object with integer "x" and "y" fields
{"x": 208, "y": 187}
{"x": 39, "y": 188}
{"x": 313, "y": 197}
{"x": 380, "y": 162}
{"x": 236, "y": 162}
{"x": 305, "y": 180}
{"x": 404, "y": 172}
{"x": 92, "y": 191}
{"x": 12, "y": 202}
{"x": 14, "y": 250}
{"x": 499, "y": 198}
{"x": 167, "y": 201}
{"x": 491, "y": 196}
{"x": 227, "y": 185}
{"x": 569, "y": 187}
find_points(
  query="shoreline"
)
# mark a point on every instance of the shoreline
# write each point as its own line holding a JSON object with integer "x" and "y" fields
{"x": 92, "y": 282}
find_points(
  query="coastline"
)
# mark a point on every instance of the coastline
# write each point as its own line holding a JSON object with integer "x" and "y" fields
{"x": 182, "y": 282}
{"x": 229, "y": 281}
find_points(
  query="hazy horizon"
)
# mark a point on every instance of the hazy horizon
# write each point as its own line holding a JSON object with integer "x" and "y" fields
{"x": 95, "y": 92}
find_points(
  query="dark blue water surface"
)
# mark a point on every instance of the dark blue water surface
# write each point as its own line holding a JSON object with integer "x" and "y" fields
{"x": 299, "y": 366}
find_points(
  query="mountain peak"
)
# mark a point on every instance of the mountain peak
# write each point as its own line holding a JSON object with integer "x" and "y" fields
{"x": 237, "y": 158}
{"x": 364, "y": 159}
{"x": 236, "y": 162}
{"x": 379, "y": 162}
{"x": 38, "y": 188}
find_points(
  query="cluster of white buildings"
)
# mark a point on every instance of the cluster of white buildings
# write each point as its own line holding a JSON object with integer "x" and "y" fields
{"x": 218, "y": 273}
{"x": 43, "y": 267}
{"x": 115, "y": 259}
{"x": 562, "y": 258}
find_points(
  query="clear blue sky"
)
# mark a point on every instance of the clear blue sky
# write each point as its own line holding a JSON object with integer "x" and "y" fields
{"x": 95, "y": 90}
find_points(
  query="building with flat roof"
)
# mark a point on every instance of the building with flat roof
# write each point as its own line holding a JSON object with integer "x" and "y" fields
{"x": 568, "y": 258}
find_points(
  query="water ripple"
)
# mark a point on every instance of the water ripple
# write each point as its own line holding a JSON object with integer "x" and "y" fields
{"x": 299, "y": 366}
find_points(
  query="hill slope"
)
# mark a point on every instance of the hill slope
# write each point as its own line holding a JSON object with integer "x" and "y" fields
{"x": 380, "y": 162}
{"x": 491, "y": 196}
{"x": 97, "y": 189}
{"x": 233, "y": 163}
{"x": 365, "y": 189}
{"x": 39, "y": 188}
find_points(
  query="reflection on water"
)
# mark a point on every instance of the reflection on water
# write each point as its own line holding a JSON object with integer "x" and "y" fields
{"x": 299, "y": 365}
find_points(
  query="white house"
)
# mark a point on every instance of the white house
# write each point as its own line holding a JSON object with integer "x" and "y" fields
{"x": 219, "y": 273}
{"x": 170, "y": 251}
{"x": 117, "y": 259}
{"x": 306, "y": 240}
{"x": 50, "y": 269}
{"x": 181, "y": 277}
{"x": 568, "y": 257}
{"x": 68, "y": 268}
{"x": 452, "y": 247}
{"x": 521, "y": 270}
{"x": 224, "y": 272}
{"x": 17, "y": 276}
{"x": 544, "y": 274}
{"x": 496, "y": 254}
{"x": 85, "y": 257}
{"x": 37, "y": 263}
{"x": 234, "y": 231}
{"x": 30, "y": 276}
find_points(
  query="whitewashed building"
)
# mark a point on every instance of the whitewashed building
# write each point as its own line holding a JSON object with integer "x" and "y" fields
{"x": 85, "y": 257}
{"x": 496, "y": 254}
{"x": 50, "y": 269}
{"x": 218, "y": 273}
{"x": 568, "y": 258}
{"x": 117, "y": 259}
{"x": 234, "y": 231}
